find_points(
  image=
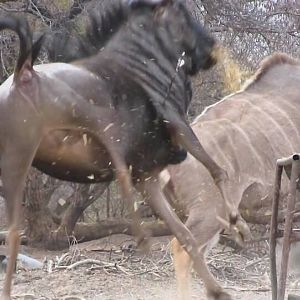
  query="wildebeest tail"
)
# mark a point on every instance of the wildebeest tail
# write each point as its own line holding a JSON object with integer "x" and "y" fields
{"x": 28, "y": 50}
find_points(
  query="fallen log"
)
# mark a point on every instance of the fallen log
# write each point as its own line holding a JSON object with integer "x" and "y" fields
{"x": 85, "y": 232}
{"x": 3, "y": 235}
{"x": 90, "y": 231}
{"x": 263, "y": 218}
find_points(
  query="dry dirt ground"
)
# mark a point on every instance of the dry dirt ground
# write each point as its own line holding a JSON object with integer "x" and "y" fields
{"x": 111, "y": 269}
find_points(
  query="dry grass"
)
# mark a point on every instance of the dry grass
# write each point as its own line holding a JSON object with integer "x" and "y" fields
{"x": 246, "y": 270}
{"x": 233, "y": 74}
{"x": 111, "y": 268}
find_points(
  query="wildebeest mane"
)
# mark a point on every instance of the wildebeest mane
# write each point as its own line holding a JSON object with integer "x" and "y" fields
{"x": 105, "y": 22}
{"x": 268, "y": 64}
{"x": 102, "y": 20}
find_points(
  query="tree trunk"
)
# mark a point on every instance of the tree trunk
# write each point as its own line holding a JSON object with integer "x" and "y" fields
{"x": 61, "y": 237}
{"x": 39, "y": 222}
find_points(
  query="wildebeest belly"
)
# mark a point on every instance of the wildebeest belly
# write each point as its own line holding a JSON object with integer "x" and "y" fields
{"x": 73, "y": 156}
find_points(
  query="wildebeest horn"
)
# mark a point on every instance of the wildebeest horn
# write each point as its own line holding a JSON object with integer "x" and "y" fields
{"x": 148, "y": 2}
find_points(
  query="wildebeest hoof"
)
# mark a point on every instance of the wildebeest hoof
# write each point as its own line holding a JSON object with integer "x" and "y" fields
{"x": 57, "y": 241}
{"x": 219, "y": 296}
{"x": 144, "y": 244}
{"x": 241, "y": 231}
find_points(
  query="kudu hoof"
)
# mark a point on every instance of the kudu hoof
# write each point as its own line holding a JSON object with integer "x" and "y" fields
{"x": 219, "y": 296}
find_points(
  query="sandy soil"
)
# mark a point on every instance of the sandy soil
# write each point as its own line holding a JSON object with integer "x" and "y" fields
{"x": 125, "y": 273}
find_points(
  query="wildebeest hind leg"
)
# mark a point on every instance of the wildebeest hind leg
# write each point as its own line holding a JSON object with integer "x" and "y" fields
{"x": 15, "y": 163}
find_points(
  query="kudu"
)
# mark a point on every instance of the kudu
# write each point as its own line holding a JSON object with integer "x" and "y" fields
{"x": 107, "y": 116}
{"x": 246, "y": 133}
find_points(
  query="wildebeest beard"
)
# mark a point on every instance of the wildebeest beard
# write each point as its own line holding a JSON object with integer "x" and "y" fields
{"x": 141, "y": 53}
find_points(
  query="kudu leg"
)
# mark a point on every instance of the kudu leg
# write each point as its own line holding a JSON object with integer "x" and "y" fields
{"x": 15, "y": 163}
{"x": 152, "y": 191}
{"x": 206, "y": 232}
{"x": 183, "y": 266}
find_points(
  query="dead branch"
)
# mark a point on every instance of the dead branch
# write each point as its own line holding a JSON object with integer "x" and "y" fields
{"x": 88, "y": 261}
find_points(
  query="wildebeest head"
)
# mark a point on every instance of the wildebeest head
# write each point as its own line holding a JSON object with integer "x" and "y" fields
{"x": 188, "y": 36}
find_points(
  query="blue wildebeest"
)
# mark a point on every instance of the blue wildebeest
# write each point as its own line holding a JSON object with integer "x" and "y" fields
{"x": 108, "y": 116}
{"x": 245, "y": 133}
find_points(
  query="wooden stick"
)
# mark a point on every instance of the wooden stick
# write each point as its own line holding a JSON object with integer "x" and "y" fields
{"x": 288, "y": 226}
{"x": 288, "y": 160}
{"x": 274, "y": 225}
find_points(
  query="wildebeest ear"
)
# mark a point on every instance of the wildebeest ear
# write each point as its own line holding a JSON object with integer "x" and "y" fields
{"x": 135, "y": 3}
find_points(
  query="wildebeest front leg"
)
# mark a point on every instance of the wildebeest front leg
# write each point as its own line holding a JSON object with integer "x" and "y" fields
{"x": 154, "y": 196}
{"x": 185, "y": 136}
{"x": 124, "y": 179}
{"x": 103, "y": 125}
{"x": 15, "y": 163}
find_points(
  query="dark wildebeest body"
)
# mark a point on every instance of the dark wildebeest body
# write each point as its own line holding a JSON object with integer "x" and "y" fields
{"x": 93, "y": 39}
{"x": 65, "y": 45}
{"x": 107, "y": 115}
{"x": 246, "y": 133}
